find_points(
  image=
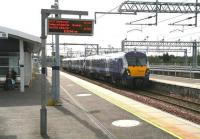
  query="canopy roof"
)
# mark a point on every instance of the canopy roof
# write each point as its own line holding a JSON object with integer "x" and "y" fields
{"x": 32, "y": 42}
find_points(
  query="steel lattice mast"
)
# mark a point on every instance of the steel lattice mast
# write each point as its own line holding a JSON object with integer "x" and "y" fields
{"x": 193, "y": 45}
{"x": 160, "y": 43}
{"x": 160, "y": 7}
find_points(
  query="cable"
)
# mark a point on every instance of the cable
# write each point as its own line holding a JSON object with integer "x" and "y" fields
{"x": 185, "y": 35}
{"x": 109, "y": 11}
{"x": 171, "y": 17}
{"x": 191, "y": 28}
{"x": 159, "y": 21}
{"x": 174, "y": 16}
{"x": 131, "y": 23}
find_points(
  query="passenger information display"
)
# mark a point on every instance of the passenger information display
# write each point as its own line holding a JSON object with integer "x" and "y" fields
{"x": 80, "y": 27}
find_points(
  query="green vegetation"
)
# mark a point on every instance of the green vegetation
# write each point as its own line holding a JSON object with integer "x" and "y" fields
{"x": 171, "y": 59}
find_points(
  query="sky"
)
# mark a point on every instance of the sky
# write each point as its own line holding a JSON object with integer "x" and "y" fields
{"x": 110, "y": 30}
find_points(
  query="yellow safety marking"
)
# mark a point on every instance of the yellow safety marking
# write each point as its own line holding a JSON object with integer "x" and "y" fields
{"x": 122, "y": 102}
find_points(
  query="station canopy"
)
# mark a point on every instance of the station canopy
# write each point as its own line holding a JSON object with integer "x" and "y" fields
{"x": 11, "y": 44}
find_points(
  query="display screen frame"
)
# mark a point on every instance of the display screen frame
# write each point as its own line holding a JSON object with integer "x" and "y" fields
{"x": 74, "y": 30}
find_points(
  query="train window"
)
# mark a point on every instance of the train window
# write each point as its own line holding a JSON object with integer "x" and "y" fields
{"x": 113, "y": 64}
{"x": 131, "y": 61}
{"x": 141, "y": 61}
{"x": 94, "y": 63}
{"x": 89, "y": 63}
{"x": 101, "y": 63}
{"x": 136, "y": 61}
{"x": 120, "y": 63}
{"x": 104, "y": 63}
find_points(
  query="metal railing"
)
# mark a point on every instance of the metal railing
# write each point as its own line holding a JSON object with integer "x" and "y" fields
{"x": 164, "y": 68}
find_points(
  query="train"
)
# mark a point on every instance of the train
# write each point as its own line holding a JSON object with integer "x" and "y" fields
{"x": 121, "y": 68}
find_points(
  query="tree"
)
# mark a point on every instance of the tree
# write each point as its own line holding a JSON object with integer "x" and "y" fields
{"x": 166, "y": 58}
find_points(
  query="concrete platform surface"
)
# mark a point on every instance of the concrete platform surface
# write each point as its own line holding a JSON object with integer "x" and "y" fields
{"x": 86, "y": 117}
{"x": 179, "y": 81}
{"x": 171, "y": 124}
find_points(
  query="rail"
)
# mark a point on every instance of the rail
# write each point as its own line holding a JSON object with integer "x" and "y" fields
{"x": 175, "y": 101}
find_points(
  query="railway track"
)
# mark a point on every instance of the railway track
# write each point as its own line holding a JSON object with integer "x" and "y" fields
{"x": 185, "y": 104}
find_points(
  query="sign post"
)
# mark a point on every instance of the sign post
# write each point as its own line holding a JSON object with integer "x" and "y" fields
{"x": 58, "y": 26}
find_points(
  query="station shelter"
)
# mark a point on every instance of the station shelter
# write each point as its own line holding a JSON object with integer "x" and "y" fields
{"x": 16, "y": 51}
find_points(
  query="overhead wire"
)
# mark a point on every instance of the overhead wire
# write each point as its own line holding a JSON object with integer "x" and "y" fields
{"x": 168, "y": 18}
{"x": 158, "y": 21}
{"x": 109, "y": 11}
{"x": 176, "y": 17}
{"x": 185, "y": 35}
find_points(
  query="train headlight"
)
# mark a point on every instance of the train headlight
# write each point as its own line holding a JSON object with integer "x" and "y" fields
{"x": 147, "y": 72}
{"x": 128, "y": 72}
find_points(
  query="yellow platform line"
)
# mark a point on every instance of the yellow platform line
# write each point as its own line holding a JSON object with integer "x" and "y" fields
{"x": 122, "y": 102}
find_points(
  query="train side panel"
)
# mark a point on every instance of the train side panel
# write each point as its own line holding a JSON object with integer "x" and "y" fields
{"x": 123, "y": 67}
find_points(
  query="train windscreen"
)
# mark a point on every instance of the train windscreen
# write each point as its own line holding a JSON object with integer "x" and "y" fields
{"x": 134, "y": 60}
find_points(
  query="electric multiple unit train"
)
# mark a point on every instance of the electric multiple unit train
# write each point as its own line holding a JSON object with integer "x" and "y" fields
{"x": 125, "y": 68}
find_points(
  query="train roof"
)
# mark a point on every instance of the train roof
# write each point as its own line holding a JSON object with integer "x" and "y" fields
{"x": 107, "y": 56}
{"x": 73, "y": 58}
{"x": 115, "y": 55}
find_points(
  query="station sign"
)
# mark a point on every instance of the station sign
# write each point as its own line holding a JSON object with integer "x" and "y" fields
{"x": 77, "y": 27}
{"x": 3, "y": 35}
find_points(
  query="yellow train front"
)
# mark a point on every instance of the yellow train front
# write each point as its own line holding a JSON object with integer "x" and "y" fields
{"x": 136, "y": 69}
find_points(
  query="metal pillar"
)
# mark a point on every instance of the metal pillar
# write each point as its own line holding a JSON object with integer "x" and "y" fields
{"x": 85, "y": 52}
{"x": 21, "y": 63}
{"x": 186, "y": 57}
{"x": 122, "y": 46}
{"x": 53, "y": 79}
{"x": 97, "y": 49}
{"x": 57, "y": 69}
{"x": 196, "y": 13}
{"x": 43, "y": 110}
{"x": 56, "y": 64}
{"x": 194, "y": 55}
{"x": 156, "y": 12}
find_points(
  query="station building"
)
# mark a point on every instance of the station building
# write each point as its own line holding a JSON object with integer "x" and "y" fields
{"x": 16, "y": 51}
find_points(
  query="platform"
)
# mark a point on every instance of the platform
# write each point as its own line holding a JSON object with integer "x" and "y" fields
{"x": 173, "y": 125}
{"x": 186, "y": 88}
{"x": 88, "y": 112}
{"x": 179, "y": 81}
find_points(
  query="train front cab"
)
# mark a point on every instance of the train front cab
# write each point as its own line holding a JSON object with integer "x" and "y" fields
{"x": 137, "y": 70}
